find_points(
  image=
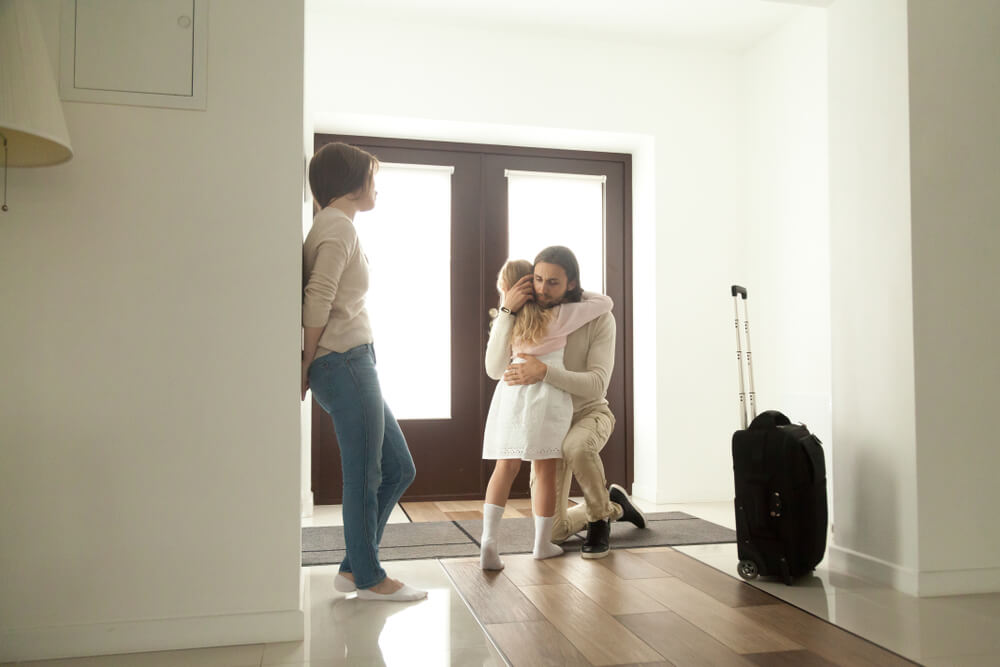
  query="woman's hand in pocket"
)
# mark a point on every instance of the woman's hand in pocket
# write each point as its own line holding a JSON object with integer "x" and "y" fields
{"x": 304, "y": 384}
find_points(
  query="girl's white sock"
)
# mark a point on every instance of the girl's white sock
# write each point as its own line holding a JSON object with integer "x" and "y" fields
{"x": 489, "y": 551}
{"x": 543, "y": 539}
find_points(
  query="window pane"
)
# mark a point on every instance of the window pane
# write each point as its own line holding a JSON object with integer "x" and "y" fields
{"x": 407, "y": 238}
{"x": 558, "y": 209}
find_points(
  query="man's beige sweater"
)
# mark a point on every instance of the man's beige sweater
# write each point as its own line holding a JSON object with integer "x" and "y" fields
{"x": 335, "y": 276}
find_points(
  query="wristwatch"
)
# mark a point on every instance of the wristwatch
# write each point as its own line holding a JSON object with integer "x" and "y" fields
{"x": 505, "y": 309}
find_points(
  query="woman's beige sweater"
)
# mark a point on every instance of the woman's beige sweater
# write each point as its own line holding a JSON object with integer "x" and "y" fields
{"x": 335, "y": 279}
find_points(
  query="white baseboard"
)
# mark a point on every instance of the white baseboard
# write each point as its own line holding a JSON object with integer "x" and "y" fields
{"x": 643, "y": 492}
{"x": 960, "y": 582}
{"x": 307, "y": 505}
{"x": 650, "y": 494}
{"x": 71, "y": 641}
{"x": 863, "y": 566}
{"x": 913, "y": 582}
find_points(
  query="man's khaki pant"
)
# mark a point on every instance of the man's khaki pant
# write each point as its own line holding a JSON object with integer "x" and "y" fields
{"x": 588, "y": 433}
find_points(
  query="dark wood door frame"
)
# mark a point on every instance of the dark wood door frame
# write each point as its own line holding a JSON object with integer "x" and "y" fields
{"x": 492, "y": 244}
{"x": 617, "y": 454}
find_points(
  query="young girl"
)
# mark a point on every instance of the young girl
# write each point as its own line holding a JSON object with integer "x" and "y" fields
{"x": 528, "y": 422}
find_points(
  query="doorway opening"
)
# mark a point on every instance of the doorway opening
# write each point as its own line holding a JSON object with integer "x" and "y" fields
{"x": 449, "y": 215}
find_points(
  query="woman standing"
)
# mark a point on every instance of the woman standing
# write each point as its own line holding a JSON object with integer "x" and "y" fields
{"x": 338, "y": 364}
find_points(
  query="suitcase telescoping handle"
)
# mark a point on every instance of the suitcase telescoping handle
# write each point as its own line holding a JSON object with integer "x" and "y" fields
{"x": 740, "y": 293}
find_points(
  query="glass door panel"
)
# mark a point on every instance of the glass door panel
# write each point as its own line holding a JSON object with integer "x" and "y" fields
{"x": 423, "y": 241}
{"x": 534, "y": 201}
{"x": 545, "y": 208}
{"x": 408, "y": 238}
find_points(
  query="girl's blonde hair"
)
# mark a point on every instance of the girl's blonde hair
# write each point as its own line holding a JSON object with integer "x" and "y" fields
{"x": 532, "y": 320}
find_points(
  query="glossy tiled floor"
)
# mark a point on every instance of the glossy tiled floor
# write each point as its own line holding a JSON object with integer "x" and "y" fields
{"x": 953, "y": 631}
{"x": 958, "y": 631}
{"x": 342, "y": 630}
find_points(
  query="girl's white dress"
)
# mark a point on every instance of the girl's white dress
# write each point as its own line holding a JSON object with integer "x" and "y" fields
{"x": 530, "y": 421}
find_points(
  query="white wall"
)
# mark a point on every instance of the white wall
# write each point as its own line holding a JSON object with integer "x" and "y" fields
{"x": 913, "y": 173}
{"x": 875, "y": 494}
{"x": 676, "y": 110}
{"x": 785, "y": 230}
{"x": 305, "y": 407}
{"x": 149, "y": 473}
{"x": 954, "y": 67}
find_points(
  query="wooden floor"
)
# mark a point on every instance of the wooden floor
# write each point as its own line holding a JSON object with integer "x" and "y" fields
{"x": 652, "y": 606}
{"x": 458, "y": 510}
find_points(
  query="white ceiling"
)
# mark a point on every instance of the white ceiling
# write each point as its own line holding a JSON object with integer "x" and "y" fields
{"x": 716, "y": 24}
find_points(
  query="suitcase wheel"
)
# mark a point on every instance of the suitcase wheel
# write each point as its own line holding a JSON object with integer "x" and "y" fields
{"x": 747, "y": 569}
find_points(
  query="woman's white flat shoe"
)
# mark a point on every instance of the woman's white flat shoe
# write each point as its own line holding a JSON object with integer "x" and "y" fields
{"x": 404, "y": 594}
{"x": 343, "y": 584}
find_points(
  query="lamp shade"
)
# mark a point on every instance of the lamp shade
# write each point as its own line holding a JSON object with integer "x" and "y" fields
{"x": 31, "y": 116}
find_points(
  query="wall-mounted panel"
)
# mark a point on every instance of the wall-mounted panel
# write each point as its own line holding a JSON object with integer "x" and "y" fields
{"x": 147, "y": 53}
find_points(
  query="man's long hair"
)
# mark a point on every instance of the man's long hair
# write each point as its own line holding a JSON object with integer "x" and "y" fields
{"x": 564, "y": 257}
{"x": 532, "y": 320}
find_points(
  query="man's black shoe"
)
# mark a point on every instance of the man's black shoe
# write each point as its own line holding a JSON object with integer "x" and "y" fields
{"x": 630, "y": 512}
{"x": 598, "y": 542}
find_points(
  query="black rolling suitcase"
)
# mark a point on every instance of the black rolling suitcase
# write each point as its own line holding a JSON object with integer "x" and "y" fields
{"x": 780, "y": 479}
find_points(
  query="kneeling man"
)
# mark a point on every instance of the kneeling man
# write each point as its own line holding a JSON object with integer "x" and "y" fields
{"x": 588, "y": 359}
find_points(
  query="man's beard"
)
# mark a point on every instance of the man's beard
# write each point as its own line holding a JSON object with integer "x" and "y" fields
{"x": 545, "y": 304}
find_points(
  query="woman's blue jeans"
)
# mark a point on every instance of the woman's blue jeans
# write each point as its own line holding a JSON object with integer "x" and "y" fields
{"x": 377, "y": 465}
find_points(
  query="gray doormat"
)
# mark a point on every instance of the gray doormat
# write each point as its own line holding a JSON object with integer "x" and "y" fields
{"x": 445, "y": 539}
{"x": 324, "y": 545}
